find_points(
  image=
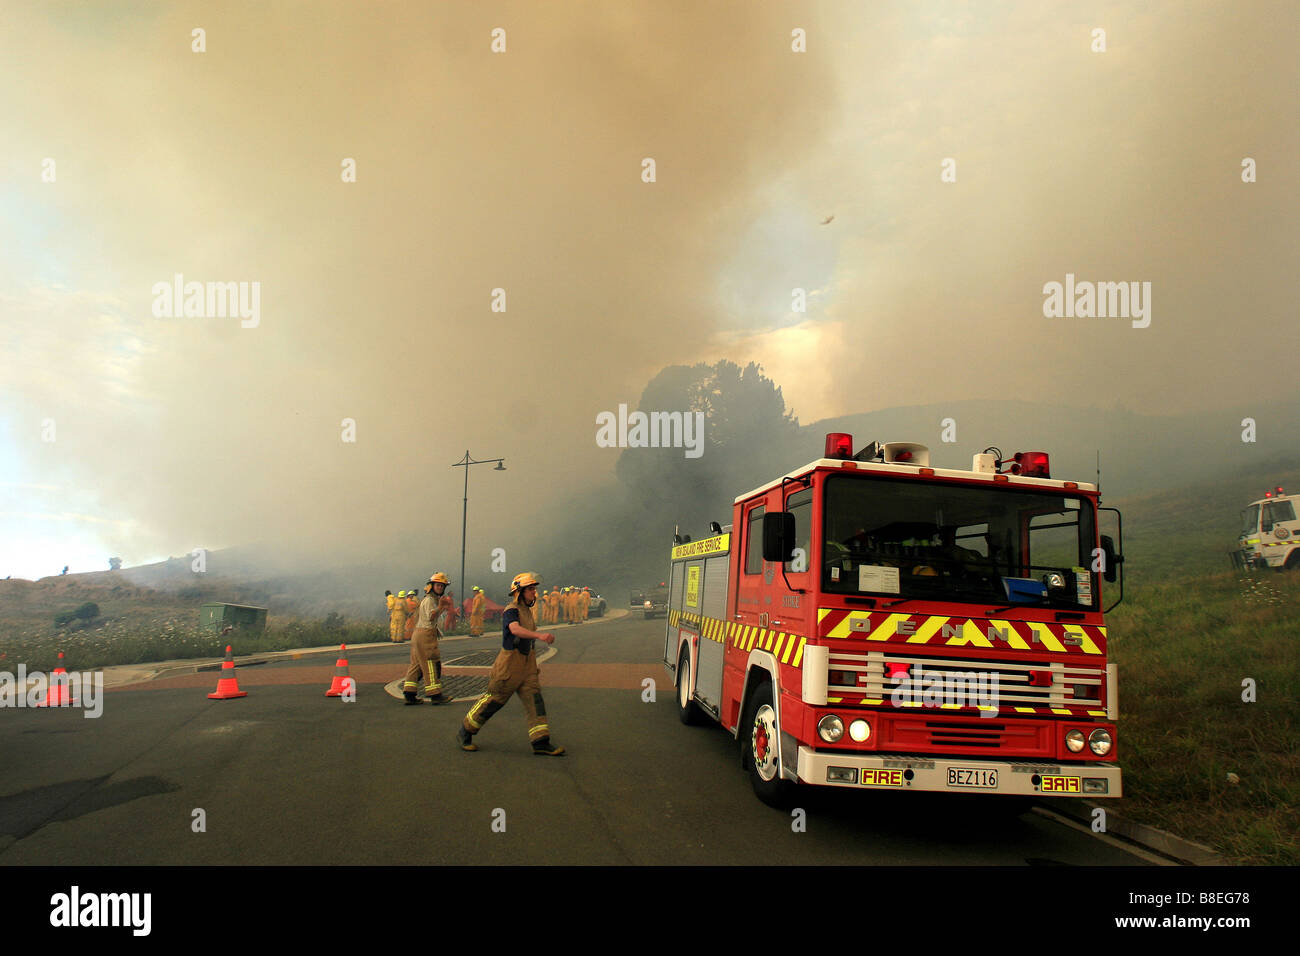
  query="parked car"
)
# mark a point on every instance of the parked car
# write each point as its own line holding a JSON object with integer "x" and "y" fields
{"x": 655, "y": 601}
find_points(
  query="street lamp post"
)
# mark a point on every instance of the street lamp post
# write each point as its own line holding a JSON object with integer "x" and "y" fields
{"x": 464, "y": 513}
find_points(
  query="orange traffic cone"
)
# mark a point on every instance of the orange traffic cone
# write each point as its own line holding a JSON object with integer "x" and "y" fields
{"x": 227, "y": 685}
{"x": 57, "y": 693}
{"x": 342, "y": 683}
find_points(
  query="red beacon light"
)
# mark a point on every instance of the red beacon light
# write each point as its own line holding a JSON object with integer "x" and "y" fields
{"x": 1031, "y": 464}
{"x": 839, "y": 445}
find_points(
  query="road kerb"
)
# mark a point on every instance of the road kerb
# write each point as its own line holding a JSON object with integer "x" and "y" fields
{"x": 1148, "y": 837}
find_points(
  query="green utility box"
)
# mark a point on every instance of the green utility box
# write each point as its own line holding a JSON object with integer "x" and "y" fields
{"x": 239, "y": 616}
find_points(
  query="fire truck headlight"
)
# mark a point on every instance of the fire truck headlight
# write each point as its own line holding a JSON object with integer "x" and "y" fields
{"x": 859, "y": 730}
{"x": 1100, "y": 742}
{"x": 1074, "y": 740}
{"x": 830, "y": 728}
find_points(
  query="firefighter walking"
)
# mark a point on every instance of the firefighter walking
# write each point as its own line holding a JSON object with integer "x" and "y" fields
{"x": 426, "y": 661}
{"x": 476, "y": 612}
{"x": 515, "y": 672}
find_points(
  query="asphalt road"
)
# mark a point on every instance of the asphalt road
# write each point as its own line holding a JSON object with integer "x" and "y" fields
{"x": 287, "y": 776}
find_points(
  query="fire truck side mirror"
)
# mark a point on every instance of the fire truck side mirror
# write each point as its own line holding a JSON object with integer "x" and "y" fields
{"x": 778, "y": 536}
{"x": 1112, "y": 559}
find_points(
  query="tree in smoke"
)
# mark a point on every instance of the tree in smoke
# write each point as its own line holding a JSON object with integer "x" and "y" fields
{"x": 748, "y": 437}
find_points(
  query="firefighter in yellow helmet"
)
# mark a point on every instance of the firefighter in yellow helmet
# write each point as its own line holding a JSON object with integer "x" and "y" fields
{"x": 426, "y": 662}
{"x": 412, "y": 610}
{"x": 515, "y": 672}
{"x": 397, "y": 618}
{"x": 584, "y": 602}
{"x": 476, "y": 609}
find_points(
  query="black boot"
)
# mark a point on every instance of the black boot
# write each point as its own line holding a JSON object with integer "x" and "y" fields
{"x": 411, "y": 698}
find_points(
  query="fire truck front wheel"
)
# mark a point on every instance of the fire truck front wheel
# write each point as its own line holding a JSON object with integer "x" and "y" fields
{"x": 686, "y": 707}
{"x": 760, "y": 746}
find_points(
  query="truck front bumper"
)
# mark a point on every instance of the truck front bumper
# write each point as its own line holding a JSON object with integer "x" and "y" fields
{"x": 959, "y": 775}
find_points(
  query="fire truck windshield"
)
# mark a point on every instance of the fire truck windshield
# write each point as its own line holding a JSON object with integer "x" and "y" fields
{"x": 1250, "y": 520}
{"x": 933, "y": 541}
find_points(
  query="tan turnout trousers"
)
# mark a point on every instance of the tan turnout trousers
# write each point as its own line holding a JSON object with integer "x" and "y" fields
{"x": 512, "y": 673}
{"x": 426, "y": 662}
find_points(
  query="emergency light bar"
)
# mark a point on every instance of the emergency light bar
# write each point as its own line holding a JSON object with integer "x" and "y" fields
{"x": 839, "y": 445}
{"x": 1030, "y": 464}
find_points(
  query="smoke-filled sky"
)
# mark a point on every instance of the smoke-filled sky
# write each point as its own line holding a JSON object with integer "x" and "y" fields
{"x": 128, "y": 433}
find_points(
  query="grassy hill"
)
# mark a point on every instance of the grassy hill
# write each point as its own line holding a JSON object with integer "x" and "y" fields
{"x": 139, "y": 624}
{"x": 1190, "y": 632}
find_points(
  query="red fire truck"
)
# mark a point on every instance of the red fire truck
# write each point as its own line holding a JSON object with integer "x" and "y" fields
{"x": 870, "y": 621}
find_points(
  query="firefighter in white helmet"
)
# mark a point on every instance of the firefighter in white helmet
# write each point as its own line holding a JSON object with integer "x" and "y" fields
{"x": 515, "y": 672}
{"x": 426, "y": 662}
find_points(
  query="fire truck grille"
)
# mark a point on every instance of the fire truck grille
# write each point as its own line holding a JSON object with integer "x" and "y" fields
{"x": 1027, "y": 685}
{"x": 919, "y": 735}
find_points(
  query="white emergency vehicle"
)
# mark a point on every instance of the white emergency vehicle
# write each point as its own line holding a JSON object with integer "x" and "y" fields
{"x": 1270, "y": 533}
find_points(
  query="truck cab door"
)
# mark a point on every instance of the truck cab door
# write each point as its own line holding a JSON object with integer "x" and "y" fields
{"x": 750, "y": 589}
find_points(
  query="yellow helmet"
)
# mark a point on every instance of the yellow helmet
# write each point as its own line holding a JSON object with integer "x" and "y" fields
{"x": 401, "y": 594}
{"x": 439, "y": 578}
{"x": 925, "y": 571}
{"x": 524, "y": 580}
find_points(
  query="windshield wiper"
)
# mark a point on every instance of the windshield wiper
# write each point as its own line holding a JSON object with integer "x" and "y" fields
{"x": 900, "y": 601}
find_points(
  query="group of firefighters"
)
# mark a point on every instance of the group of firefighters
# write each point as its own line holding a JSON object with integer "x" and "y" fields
{"x": 571, "y": 602}
{"x": 514, "y": 671}
{"x": 404, "y": 606}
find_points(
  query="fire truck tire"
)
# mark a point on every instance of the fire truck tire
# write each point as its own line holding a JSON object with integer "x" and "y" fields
{"x": 759, "y": 747}
{"x": 687, "y": 709}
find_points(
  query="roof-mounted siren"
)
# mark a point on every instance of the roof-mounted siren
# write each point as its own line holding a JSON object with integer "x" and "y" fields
{"x": 1029, "y": 464}
{"x": 907, "y": 453}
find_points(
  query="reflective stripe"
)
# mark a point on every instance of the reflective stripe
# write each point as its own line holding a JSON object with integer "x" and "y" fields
{"x": 887, "y": 629}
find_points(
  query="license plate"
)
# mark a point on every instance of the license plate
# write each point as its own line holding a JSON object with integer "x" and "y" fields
{"x": 970, "y": 777}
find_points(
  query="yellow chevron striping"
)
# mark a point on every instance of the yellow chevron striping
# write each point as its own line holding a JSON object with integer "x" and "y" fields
{"x": 927, "y": 629}
{"x": 1046, "y": 636}
{"x": 887, "y": 629}
{"x": 970, "y": 634}
{"x": 1085, "y": 641}
{"x": 845, "y": 627}
{"x": 1013, "y": 636}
